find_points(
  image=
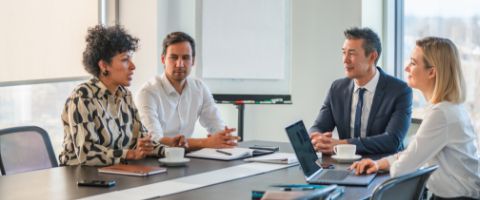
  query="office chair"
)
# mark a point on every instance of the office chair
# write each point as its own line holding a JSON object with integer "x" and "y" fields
{"x": 408, "y": 186}
{"x": 24, "y": 149}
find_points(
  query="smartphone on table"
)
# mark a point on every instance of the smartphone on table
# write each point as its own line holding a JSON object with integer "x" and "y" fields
{"x": 97, "y": 183}
{"x": 265, "y": 148}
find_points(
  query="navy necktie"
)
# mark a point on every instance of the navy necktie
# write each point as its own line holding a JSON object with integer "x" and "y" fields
{"x": 358, "y": 114}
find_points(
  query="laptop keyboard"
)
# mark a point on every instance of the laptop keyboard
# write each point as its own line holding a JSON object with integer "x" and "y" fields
{"x": 335, "y": 174}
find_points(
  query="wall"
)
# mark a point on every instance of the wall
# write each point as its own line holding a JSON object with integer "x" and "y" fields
{"x": 317, "y": 38}
{"x": 151, "y": 21}
{"x": 140, "y": 20}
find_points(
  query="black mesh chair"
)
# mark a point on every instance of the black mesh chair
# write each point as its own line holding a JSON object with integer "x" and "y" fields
{"x": 408, "y": 186}
{"x": 24, "y": 149}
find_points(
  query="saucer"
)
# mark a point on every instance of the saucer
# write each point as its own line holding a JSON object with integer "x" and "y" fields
{"x": 168, "y": 162}
{"x": 346, "y": 159}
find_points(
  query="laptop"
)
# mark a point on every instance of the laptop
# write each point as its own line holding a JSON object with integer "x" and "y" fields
{"x": 314, "y": 173}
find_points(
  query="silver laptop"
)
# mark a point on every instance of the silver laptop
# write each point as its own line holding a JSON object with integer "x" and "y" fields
{"x": 307, "y": 158}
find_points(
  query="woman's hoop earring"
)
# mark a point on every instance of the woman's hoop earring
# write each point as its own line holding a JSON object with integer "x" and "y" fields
{"x": 105, "y": 73}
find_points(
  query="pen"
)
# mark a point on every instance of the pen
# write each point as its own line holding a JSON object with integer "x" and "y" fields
{"x": 224, "y": 152}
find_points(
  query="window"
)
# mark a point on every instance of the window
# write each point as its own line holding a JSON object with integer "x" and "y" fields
{"x": 458, "y": 20}
{"x": 41, "y": 52}
{"x": 44, "y": 39}
{"x": 38, "y": 104}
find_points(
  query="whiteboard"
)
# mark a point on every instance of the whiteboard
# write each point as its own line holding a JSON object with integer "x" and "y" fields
{"x": 244, "y": 46}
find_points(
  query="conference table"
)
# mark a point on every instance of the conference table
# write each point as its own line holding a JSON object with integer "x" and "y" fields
{"x": 61, "y": 182}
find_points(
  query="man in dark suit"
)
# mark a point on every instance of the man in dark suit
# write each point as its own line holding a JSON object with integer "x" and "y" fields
{"x": 369, "y": 108}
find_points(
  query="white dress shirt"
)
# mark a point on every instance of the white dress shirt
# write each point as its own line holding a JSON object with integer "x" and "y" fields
{"x": 445, "y": 138}
{"x": 165, "y": 112}
{"x": 367, "y": 104}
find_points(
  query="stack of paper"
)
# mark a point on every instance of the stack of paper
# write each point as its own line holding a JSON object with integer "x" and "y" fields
{"x": 221, "y": 154}
{"x": 277, "y": 158}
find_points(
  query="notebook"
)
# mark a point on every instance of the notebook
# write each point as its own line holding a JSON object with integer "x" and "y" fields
{"x": 219, "y": 154}
{"x": 276, "y": 158}
{"x": 133, "y": 170}
{"x": 300, "y": 140}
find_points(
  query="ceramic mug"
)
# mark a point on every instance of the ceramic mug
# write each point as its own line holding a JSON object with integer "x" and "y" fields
{"x": 174, "y": 153}
{"x": 345, "y": 150}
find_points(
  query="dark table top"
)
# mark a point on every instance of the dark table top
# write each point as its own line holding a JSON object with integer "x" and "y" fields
{"x": 61, "y": 182}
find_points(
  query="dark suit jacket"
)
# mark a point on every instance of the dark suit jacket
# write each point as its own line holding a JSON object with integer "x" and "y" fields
{"x": 389, "y": 115}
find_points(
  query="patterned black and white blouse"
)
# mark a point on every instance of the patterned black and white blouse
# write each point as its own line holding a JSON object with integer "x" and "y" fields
{"x": 100, "y": 127}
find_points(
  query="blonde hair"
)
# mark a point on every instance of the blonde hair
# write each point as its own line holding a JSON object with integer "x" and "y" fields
{"x": 442, "y": 54}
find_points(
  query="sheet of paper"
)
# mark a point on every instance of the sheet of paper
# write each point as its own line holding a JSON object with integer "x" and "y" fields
{"x": 187, "y": 183}
{"x": 236, "y": 153}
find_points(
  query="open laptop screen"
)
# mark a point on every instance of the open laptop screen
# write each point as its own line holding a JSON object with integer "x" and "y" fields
{"x": 303, "y": 147}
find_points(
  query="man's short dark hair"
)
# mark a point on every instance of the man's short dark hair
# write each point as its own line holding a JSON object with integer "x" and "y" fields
{"x": 178, "y": 37}
{"x": 103, "y": 43}
{"x": 371, "y": 40}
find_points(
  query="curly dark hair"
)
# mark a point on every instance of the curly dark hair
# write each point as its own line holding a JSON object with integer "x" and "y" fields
{"x": 371, "y": 40}
{"x": 178, "y": 37}
{"x": 103, "y": 43}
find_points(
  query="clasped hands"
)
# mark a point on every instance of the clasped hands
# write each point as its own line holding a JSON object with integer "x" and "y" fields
{"x": 144, "y": 148}
{"x": 222, "y": 139}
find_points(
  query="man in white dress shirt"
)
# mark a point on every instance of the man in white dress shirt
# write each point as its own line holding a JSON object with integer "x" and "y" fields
{"x": 171, "y": 103}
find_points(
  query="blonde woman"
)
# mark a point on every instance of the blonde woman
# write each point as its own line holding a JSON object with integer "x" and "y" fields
{"x": 446, "y": 136}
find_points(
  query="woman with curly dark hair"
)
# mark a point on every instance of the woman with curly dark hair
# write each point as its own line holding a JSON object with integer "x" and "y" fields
{"x": 100, "y": 120}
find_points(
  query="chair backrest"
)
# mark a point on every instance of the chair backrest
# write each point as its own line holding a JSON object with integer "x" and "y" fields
{"x": 24, "y": 149}
{"x": 408, "y": 186}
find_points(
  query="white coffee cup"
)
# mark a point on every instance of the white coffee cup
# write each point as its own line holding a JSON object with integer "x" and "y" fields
{"x": 174, "y": 153}
{"x": 345, "y": 150}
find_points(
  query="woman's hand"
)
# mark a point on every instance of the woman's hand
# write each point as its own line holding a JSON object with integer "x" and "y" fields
{"x": 144, "y": 148}
{"x": 180, "y": 141}
{"x": 364, "y": 166}
{"x": 368, "y": 166}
